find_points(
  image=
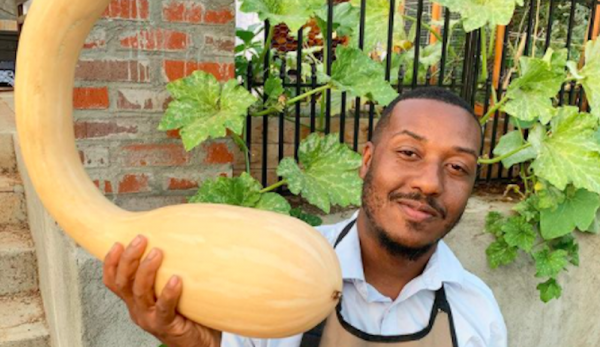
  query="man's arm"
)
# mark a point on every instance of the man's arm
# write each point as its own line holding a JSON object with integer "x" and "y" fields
{"x": 132, "y": 279}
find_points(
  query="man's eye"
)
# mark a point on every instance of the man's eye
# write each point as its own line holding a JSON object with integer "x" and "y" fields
{"x": 458, "y": 168}
{"x": 408, "y": 153}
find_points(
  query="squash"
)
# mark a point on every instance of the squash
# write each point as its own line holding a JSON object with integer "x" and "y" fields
{"x": 245, "y": 271}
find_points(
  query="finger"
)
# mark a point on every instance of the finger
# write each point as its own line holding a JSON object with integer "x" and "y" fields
{"x": 166, "y": 305}
{"x": 128, "y": 265}
{"x": 143, "y": 285}
{"x": 111, "y": 261}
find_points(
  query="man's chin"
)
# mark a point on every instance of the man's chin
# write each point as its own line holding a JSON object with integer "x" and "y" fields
{"x": 408, "y": 249}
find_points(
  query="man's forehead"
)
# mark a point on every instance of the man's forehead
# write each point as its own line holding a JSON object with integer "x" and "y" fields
{"x": 433, "y": 119}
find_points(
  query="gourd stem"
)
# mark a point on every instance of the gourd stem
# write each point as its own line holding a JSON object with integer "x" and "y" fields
{"x": 274, "y": 186}
{"x": 502, "y": 157}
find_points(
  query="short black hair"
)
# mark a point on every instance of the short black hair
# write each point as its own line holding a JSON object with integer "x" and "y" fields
{"x": 428, "y": 93}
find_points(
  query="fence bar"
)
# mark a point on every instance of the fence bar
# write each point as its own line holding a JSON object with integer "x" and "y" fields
{"x": 266, "y": 117}
{"x": 500, "y": 90}
{"x": 371, "y": 118}
{"x": 530, "y": 27}
{"x": 329, "y": 63}
{"x": 313, "y": 98}
{"x": 390, "y": 42}
{"x": 570, "y": 29}
{"x": 283, "y": 114}
{"x": 400, "y": 79}
{"x": 486, "y": 106}
{"x": 298, "y": 92}
{"x": 444, "y": 47}
{"x": 343, "y": 118}
{"x": 417, "y": 45}
{"x": 475, "y": 75}
{"x": 249, "y": 80}
{"x": 550, "y": 23}
{"x": 361, "y": 45}
{"x": 466, "y": 64}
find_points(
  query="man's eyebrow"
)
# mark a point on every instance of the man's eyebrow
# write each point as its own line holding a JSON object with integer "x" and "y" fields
{"x": 467, "y": 150}
{"x": 411, "y": 134}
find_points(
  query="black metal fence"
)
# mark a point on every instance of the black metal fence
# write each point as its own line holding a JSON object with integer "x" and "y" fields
{"x": 555, "y": 23}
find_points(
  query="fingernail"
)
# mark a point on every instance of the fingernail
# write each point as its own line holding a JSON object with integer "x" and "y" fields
{"x": 137, "y": 241}
{"x": 173, "y": 281}
{"x": 153, "y": 253}
{"x": 113, "y": 248}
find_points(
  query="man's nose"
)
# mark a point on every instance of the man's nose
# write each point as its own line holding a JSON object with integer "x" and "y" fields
{"x": 429, "y": 180}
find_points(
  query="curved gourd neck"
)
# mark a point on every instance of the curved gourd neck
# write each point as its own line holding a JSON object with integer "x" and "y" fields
{"x": 44, "y": 106}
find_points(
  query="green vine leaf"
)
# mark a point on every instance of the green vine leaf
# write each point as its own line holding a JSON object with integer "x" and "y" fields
{"x": 308, "y": 218}
{"x": 376, "y": 26}
{"x": 590, "y": 73}
{"x": 328, "y": 174}
{"x": 550, "y": 263}
{"x": 240, "y": 191}
{"x": 477, "y": 13}
{"x": 203, "y": 108}
{"x": 549, "y": 290}
{"x": 519, "y": 233}
{"x": 510, "y": 142}
{"x": 354, "y": 72}
{"x": 345, "y": 19}
{"x": 274, "y": 87}
{"x": 570, "y": 154}
{"x": 576, "y": 211}
{"x": 529, "y": 209}
{"x": 493, "y": 223}
{"x": 549, "y": 197}
{"x": 294, "y": 13}
{"x": 569, "y": 244}
{"x": 273, "y": 202}
{"x": 500, "y": 253}
{"x": 530, "y": 95}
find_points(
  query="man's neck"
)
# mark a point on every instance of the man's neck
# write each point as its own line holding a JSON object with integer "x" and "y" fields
{"x": 386, "y": 272}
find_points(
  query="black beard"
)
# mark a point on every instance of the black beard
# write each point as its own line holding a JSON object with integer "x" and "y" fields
{"x": 393, "y": 247}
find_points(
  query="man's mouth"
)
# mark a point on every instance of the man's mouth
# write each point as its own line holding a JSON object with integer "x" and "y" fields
{"x": 417, "y": 211}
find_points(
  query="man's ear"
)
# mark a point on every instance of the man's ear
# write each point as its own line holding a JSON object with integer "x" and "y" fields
{"x": 367, "y": 157}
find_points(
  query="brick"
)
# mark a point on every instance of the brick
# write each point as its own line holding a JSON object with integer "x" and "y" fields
{"x": 156, "y": 40}
{"x": 140, "y": 99}
{"x": 94, "y": 157}
{"x": 100, "y": 129}
{"x": 165, "y": 154}
{"x": 106, "y": 187}
{"x": 176, "y": 69}
{"x": 218, "y": 153}
{"x": 226, "y": 45}
{"x": 96, "y": 39}
{"x": 174, "y": 183}
{"x": 182, "y": 12}
{"x": 134, "y": 183}
{"x": 113, "y": 70}
{"x": 127, "y": 9}
{"x": 90, "y": 98}
{"x": 223, "y": 16}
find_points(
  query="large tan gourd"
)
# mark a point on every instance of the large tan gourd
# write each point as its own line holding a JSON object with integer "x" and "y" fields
{"x": 246, "y": 271}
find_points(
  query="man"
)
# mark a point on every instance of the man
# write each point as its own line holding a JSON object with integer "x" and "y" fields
{"x": 402, "y": 284}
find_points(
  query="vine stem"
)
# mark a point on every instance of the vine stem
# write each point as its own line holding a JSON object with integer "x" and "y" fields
{"x": 273, "y": 186}
{"x": 425, "y": 25}
{"x": 242, "y": 145}
{"x": 502, "y": 157}
{"x": 293, "y": 100}
{"x": 267, "y": 46}
{"x": 484, "y": 70}
{"x": 492, "y": 110}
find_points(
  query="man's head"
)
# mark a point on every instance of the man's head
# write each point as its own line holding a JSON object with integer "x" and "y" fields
{"x": 419, "y": 170}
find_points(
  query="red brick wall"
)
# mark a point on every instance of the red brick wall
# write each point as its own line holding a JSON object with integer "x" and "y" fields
{"x": 120, "y": 97}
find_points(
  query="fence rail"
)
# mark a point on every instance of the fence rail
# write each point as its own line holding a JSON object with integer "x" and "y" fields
{"x": 555, "y": 24}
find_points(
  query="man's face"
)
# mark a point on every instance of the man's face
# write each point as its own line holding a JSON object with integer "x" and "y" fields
{"x": 420, "y": 173}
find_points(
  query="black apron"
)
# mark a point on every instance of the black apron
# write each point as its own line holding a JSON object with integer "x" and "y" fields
{"x": 336, "y": 332}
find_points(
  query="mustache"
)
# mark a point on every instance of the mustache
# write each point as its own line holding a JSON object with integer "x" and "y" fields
{"x": 432, "y": 202}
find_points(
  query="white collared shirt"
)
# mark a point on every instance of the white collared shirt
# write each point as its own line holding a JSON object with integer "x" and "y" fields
{"x": 477, "y": 317}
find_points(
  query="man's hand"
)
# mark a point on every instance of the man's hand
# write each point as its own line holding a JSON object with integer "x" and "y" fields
{"x": 132, "y": 279}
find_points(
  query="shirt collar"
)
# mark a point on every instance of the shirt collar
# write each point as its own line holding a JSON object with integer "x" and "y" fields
{"x": 443, "y": 267}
